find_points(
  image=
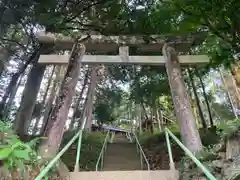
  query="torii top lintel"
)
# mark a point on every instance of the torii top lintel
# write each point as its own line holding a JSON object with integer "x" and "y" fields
{"x": 121, "y": 49}
{"x": 109, "y": 45}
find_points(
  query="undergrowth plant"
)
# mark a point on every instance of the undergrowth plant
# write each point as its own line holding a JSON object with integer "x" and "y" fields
{"x": 229, "y": 128}
{"x": 13, "y": 152}
{"x": 90, "y": 149}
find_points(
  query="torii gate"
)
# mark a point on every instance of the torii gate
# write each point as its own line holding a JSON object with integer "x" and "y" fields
{"x": 117, "y": 50}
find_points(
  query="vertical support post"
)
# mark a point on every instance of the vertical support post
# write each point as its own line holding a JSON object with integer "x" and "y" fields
{"x": 141, "y": 160}
{"x": 129, "y": 137}
{"x": 228, "y": 94}
{"x": 161, "y": 118}
{"x": 184, "y": 113}
{"x": 139, "y": 117}
{"x": 76, "y": 167}
{"x": 138, "y": 151}
{"x": 159, "y": 122}
{"x": 102, "y": 161}
{"x": 124, "y": 53}
{"x": 113, "y": 135}
{"x": 171, "y": 162}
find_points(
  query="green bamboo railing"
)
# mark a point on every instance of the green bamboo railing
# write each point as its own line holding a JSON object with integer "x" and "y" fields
{"x": 101, "y": 155}
{"x": 168, "y": 133}
{"x": 78, "y": 136}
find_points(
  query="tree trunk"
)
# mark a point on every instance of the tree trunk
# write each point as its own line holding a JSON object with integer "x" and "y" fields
{"x": 50, "y": 78}
{"x": 90, "y": 97}
{"x": 139, "y": 116}
{"x": 59, "y": 114}
{"x": 15, "y": 78}
{"x": 8, "y": 104}
{"x": 192, "y": 102}
{"x": 189, "y": 133}
{"x": 232, "y": 89}
{"x": 8, "y": 91}
{"x": 160, "y": 115}
{"x": 203, "y": 121}
{"x": 236, "y": 73}
{"x": 44, "y": 100}
{"x": 152, "y": 121}
{"x": 158, "y": 119}
{"x": 4, "y": 54}
{"x": 49, "y": 104}
{"x": 76, "y": 108}
{"x": 228, "y": 94}
{"x": 233, "y": 146}
{"x": 144, "y": 110}
{"x": 205, "y": 97}
{"x": 29, "y": 97}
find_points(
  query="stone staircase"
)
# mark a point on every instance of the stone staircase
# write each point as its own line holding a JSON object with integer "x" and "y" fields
{"x": 122, "y": 162}
{"x": 121, "y": 155}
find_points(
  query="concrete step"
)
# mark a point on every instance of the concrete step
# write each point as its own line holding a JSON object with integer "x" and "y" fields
{"x": 119, "y": 138}
{"x": 126, "y": 175}
{"x": 121, "y": 156}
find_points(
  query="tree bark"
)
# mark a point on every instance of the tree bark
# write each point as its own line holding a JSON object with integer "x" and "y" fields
{"x": 76, "y": 108}
{"x": 232, "y": 89}
{"x": 205, "y": 97}
{"x": 160, "y": 115}
{"x": 29, "y": 97}
{"x": 49, "y": 104}
{"x": 90, "y": 97}
{"x": 189, "y": 133}
{"x": 228, "y": 94}
{"x": 152, "y": 121}
{"x": 144, "y": 110}
{"x": 236, "y": 73}
{"x": 59, "y": 114}
{"x": 50, "y": 78}
{"x": 158, "y": 118}
{"x": 8, "y": 104}
{"x": 139, "y": 116}
{"x": 15, "y": 78}
{"x": 203, "y": 121}
{"x": 44, "y": 99}
{"x": 192, "y": 101}
{"x": 4, "y": 54}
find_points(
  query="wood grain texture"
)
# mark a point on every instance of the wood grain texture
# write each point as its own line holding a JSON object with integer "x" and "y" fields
{"x": 138, "y": 44}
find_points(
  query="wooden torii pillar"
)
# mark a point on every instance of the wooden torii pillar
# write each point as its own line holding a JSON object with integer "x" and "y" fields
{"x": 185, "y": 116}
{"x": 120, "y": 46}
{"x": 58, "y": 117}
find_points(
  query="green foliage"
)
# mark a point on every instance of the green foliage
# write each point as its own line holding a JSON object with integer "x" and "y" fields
{"x": 219, "y": 52}
{"x": 103, "y": 113}
{"x": 148, "y": 83}
{"x": 166, "y": 104}
{"x": 229, "y": 128}
{"x": 90, "y": 150}
{"x": 173, "y": 126}
{"x": 155, "y": 148}
{"x": 14, "y": 152}
{"x": 108, "y": 99}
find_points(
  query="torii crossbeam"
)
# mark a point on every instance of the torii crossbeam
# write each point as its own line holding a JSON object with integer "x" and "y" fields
{"x": 143, "y": 50}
